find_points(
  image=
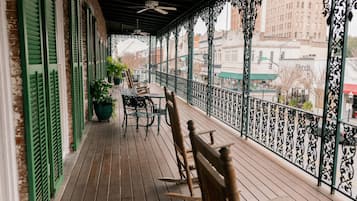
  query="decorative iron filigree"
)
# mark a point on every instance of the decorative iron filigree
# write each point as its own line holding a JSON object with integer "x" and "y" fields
{"x": 257, "y": 119}
{"x": 347, "y": 167}
{"x": 251, "y": 117}
{"x": 333, "y": 87}
{"x": 264, "y": 128}
{"x": 272, "y": 126}
{"x": 300, "y": 140}
{"x": 280, "y": 134}
{"x": 248, "y": 11}
{"x": 289, "y": 141}
{"x": 311, "y": 131}
{"x": 239, "y": 112}
{"x": 327, "y": 9}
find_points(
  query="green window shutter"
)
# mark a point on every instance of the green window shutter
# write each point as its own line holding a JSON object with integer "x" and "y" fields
{"x": 53, "y": 99}
{"x": 80, "y": 73}
{"x": 89, "y": 62}
{"x": 77, "y": 80}
{"x": 34, "y": 99}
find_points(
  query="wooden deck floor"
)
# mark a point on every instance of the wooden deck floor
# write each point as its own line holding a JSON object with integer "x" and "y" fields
{"x": 113, "y": 167}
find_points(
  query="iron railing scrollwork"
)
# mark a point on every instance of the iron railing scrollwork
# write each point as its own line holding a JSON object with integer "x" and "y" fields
{"x": 338, "y": 13}
{"x": 322, "y": 146}
{"x": 291, "y": 133}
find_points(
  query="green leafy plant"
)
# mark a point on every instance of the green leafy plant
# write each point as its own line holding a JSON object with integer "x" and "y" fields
{"x": 115, "y": 67}
{"x": 307, "y": 106}
{"x": 293, "y": 103}
{"x": 100, "y": 91}
{"x": 120, "y": 68}
{"x": 111, "y": 66}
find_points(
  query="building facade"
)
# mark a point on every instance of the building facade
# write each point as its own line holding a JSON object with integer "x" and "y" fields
{"x": 301, "y": 20}
{"x": 51, "y": 52}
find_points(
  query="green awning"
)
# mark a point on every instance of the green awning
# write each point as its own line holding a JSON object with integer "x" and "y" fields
{"x": 239, "y": 76}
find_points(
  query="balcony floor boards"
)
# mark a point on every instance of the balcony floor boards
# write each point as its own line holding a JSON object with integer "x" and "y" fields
{"x": 112, "y": 167}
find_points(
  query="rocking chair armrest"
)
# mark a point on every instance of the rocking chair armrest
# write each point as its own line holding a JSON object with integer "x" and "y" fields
{"x": 182, "y": 196}
{"x": 218, "y": 146}
{"x": 205, "y": 132}
{"x": 210, "y": 132}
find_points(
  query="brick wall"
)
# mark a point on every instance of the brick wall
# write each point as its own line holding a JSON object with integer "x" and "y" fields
{"x": 97, "y": 12}
{"x": 17, "y": 87}
{"x": 16, "y": 83}
{"x": 85, "y": 60}
{"x": 101, "y": 26}
{"x": 67, "y": 43}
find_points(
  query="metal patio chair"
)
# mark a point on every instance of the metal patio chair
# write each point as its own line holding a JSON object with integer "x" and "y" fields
{"x": 138, "y": 107}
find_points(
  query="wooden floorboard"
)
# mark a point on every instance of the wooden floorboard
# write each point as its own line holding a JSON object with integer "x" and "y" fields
{"x": 111, "y": 167}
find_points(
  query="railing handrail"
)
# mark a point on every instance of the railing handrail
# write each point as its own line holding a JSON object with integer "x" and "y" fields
{"x": 292, "y": 133}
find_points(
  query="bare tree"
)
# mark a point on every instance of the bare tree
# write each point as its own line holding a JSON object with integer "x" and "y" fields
{"x": 319, "y": 87}
{"x": 354, "y": 52}
{"x": 288, "y": 76}
{"x": 133, "y": 61}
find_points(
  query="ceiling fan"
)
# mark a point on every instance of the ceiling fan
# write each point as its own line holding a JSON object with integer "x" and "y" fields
{"x": 154, "y": 5}
{"x": 138, "y": 31}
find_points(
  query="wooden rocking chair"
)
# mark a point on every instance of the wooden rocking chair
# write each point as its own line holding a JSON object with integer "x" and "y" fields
{"x": 140, "y": 87}
{"x": 183, "y": 154}
{"x": 215, "y": 170}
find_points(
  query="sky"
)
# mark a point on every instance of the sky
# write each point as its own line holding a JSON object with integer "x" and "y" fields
{"x": 224, "y": 22}
{"x": 353, "y": 25}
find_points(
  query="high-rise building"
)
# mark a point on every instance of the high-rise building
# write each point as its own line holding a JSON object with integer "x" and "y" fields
{"x": 295, "y": 19}
{"x": 288, "y": 19}
{"x": 236, "y": 22}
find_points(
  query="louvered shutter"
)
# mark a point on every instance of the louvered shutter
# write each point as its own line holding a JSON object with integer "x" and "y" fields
{"x": 53, "y": 99}
{"x": 80, "y": 73}
{"x": 77, "y": 97}
{"x": 34, "y": 99}
{"x": 90, "y": 73}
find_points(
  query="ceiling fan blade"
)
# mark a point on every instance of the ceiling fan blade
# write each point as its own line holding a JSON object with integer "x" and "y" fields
{"x": 136, "y": 7}
{"x": 160, "y": 11}
{"x": 166, "y": 8}
{"x": 143, "y": 10}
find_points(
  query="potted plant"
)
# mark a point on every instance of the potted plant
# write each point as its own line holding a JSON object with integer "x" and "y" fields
{"x": 102, "y": 99}
{"x": 111, "y": 68}
{"x": 118, "y": 75}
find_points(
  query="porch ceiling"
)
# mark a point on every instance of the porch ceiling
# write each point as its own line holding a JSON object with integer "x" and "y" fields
{"x": 121, "y": 15}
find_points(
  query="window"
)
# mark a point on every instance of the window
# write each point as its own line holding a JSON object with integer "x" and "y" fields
{"x": 297, "y": 4}
{"x": 282, "y": 55}
{"x": 234, "y": 56}
{"x": 272, "y": 56}
{"x": 260, "y": 56}
{"x": 302, "y": 4}
{"x": 253, "y": 55}
{"x": 227, "y": 56}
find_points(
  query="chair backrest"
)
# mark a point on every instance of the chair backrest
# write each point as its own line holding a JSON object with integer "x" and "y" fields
{"x": 215, "y": 170}
{"x": 129, "y": 102}
{"x": 175, "y": 121}
{"x": 135, "y": 102}
{"x": 129, "y": 79}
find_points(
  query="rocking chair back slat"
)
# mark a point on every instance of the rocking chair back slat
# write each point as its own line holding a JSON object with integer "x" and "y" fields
{"x": 178, "y": 139}
{"x": 215, "y": 170}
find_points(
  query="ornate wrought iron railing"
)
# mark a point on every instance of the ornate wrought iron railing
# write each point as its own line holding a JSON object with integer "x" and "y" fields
{"x": 346, "y": 161}
{"x": 181, "y": 87}
{"x": 291, "y": 133}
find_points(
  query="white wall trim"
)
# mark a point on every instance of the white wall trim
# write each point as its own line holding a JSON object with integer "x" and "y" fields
{"x": 62, "y": 77}
{"x": 8, "y": 165}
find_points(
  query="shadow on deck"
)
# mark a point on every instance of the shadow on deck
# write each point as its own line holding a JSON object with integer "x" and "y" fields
{"x": 112, "y": 167}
